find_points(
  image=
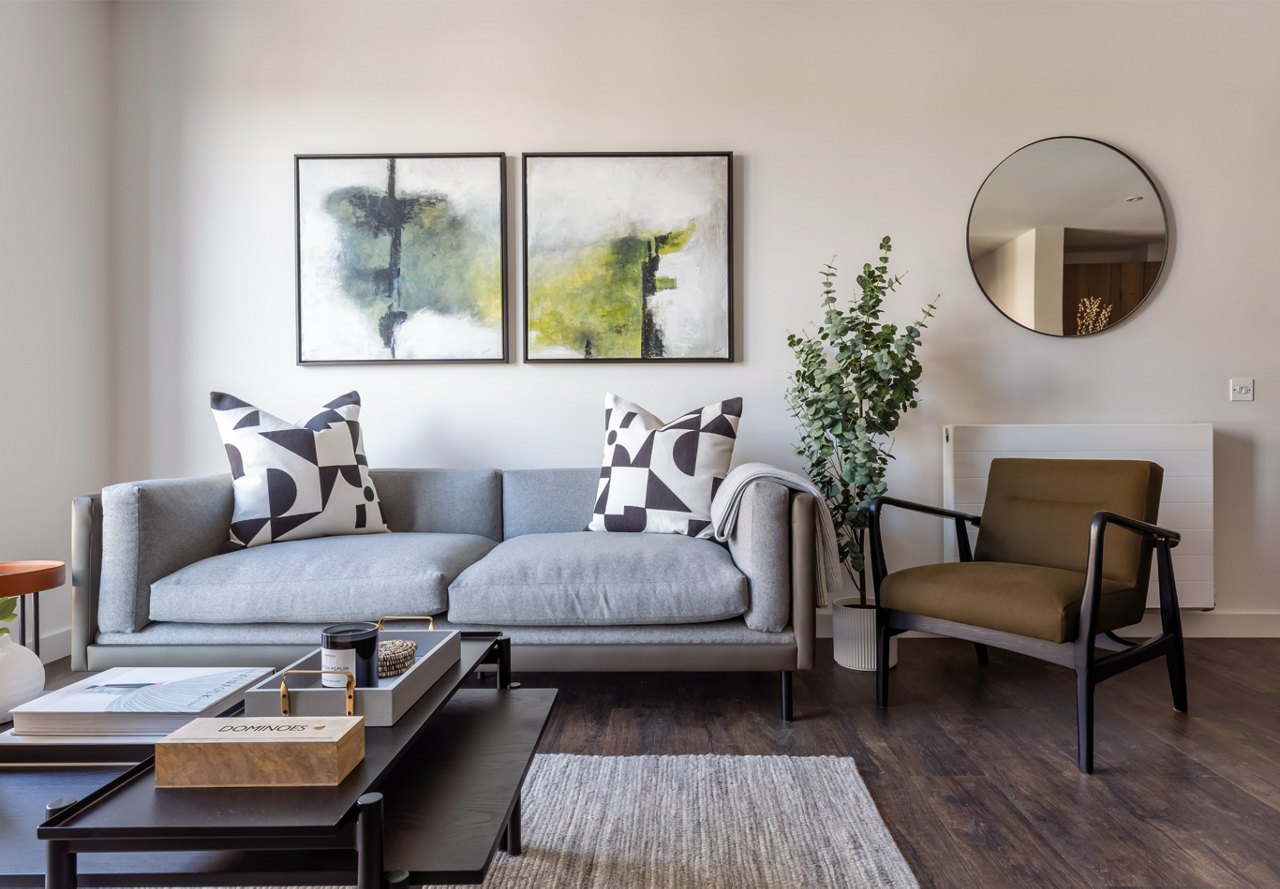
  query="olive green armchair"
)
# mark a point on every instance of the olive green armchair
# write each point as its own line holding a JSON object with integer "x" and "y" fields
{"x": 1037, "y": 582}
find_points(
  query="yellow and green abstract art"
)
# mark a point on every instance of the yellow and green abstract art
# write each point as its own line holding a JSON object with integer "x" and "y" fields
{"x": 401, "y": 258}
{"x": 627, "y": 257}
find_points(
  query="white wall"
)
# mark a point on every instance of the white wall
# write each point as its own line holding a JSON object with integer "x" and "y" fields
{"x": 849, "y": 121}
{"x": 55, "y": 420}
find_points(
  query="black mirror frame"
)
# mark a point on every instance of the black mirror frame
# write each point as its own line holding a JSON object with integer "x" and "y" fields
{"x": 1164, "y": 216}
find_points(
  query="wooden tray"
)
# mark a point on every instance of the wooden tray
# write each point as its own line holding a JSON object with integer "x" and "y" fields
{"x": 438, "y": 650}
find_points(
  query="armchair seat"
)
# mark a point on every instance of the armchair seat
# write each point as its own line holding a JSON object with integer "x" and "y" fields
{"x": 1029, "y": 600}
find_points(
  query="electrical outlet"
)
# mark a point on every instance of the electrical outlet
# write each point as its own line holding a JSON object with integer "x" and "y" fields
{"x": 1241, "y": 389}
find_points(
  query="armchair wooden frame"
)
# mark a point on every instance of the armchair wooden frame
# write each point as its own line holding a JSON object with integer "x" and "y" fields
{"x": 1080, "y": 655}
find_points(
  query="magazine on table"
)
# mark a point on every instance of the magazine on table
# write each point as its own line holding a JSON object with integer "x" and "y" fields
{"x": 135, "y": 701}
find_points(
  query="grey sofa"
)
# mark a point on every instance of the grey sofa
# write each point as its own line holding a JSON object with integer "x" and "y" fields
{"x": 479, "y": 549}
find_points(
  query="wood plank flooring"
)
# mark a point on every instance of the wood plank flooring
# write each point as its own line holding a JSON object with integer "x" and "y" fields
{"x": 974, "y": 768}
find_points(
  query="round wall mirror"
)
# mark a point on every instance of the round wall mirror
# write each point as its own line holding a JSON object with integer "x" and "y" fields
{"x": 1067, "y": 236}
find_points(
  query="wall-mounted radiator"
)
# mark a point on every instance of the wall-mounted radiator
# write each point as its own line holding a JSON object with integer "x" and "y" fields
{"x": 1185, "y": 450}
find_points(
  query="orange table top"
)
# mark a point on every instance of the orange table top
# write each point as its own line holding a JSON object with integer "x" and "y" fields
{"x": 20, "y": 578}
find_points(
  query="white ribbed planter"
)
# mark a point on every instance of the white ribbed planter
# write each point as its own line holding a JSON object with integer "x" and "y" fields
{"x": 853, "y": 631}
{"x": 21, "y": 675}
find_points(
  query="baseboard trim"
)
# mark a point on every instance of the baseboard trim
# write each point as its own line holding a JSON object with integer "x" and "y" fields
{"x": 53, "y": 646}
{"x": 1195, "y": 624}
{"x": 1215, "y": 624}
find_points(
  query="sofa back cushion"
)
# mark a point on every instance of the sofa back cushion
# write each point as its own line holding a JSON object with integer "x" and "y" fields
{"x": 447, "y": 501}
{"x": 547, "y": 501}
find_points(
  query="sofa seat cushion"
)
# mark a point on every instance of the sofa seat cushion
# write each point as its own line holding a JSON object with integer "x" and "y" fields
{"x": 580, "y": 578}
{"x": 329, "y": 579}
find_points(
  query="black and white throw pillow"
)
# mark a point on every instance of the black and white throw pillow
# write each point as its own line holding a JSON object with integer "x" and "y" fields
{"x": 297, "y": 481}
{"x": 662, "y": 476}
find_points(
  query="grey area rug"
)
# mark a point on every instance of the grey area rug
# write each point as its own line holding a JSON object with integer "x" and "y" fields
{"x": 626, "y": 822}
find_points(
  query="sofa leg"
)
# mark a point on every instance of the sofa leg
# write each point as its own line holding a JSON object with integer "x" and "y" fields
{"x": 786, "y": 696}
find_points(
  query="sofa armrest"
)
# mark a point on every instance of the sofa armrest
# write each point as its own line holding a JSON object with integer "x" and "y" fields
{"x": 86, "y": 566}
{"x": 761, "y": 547}
{"x": 804, "y": 576}
{"x": 149, "y": 530}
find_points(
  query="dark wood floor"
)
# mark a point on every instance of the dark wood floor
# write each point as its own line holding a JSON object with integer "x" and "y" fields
{"x": 974, "y": 768}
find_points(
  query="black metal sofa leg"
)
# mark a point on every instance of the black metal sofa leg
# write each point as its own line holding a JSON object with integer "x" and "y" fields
{"x": 981, "y": 649}
{"x": 786, "y": 696}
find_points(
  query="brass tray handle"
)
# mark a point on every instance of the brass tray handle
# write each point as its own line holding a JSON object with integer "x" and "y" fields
{"x": 431, "y": 621}
{"x": 351, "y": 687}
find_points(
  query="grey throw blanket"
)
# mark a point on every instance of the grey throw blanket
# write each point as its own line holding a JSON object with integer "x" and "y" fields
{"x": 728, "y": 501}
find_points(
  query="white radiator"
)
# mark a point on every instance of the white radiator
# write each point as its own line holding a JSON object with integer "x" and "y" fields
{"x": 1185, "y": 450}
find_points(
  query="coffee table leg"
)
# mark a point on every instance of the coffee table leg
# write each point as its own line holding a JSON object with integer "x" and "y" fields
{"x": 513, "y": 831}
{"x": 510, "y": 842}
{"x": 504, "y": 662}
{"x": 60, "y": 866}
{"x": 60, "y": 861}
{"x": 369, "y": 826}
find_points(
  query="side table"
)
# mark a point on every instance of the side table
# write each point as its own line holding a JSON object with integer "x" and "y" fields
{"x": 30, "y": 578}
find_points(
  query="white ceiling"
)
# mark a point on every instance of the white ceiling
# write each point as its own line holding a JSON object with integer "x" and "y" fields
{"x": 1067, "y": 183}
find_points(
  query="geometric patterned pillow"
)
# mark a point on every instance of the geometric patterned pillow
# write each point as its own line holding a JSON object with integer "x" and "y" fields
{"x": 662, "y": 476}
{"x": 296, "y": 481}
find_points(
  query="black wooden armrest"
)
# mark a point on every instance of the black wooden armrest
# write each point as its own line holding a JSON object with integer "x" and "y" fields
{"x": 1162, "y": 535}
{"x": 925, "y": 508}
{"x": 1164, "y": 539}
{"x": 878, "y": 567}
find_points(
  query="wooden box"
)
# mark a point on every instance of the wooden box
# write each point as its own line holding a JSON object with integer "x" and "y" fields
{"x": 382, "y": 705}
{"x": 262, "y": 752}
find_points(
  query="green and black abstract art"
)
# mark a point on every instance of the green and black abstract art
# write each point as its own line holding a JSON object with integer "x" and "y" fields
{"x": 627, "y": 257}
{"x": 400, "y": 258}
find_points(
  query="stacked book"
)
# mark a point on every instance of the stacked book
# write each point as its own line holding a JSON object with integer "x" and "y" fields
{"x": 135, "y": 701}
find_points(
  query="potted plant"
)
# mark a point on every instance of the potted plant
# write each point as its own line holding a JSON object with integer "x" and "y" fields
{"x": 855, "y": 378}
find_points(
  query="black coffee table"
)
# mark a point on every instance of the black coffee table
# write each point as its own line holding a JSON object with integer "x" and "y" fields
{"x": 437, "y": 795}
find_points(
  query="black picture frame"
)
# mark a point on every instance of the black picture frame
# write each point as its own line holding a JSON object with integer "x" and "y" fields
{"x": 392, "y": 278}
{"x": 712, "y": 287}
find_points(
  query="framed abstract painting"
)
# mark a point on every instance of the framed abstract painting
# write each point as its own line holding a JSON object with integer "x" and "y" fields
{"x": 628, "y": 257}
{"x": 401, "y": 258}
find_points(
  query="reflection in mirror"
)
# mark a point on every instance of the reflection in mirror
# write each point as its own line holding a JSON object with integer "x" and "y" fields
{"x": 1067, "y": 236}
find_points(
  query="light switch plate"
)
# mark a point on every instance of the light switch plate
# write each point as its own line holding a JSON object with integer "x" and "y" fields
{"x": 1241, "y": 389}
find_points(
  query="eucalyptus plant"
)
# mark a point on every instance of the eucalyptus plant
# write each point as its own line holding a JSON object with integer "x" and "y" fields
{"x": 856, "y": 378}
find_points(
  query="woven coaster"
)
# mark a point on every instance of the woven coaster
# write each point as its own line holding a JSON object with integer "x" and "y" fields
{"x": 395, "y": 656}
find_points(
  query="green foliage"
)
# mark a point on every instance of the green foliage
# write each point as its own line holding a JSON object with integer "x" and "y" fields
{"x": 856, "y": 378}
{"x": 8, "y": 610}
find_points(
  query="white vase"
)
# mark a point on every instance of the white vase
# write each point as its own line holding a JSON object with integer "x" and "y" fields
{"x": 853, "y": 632}
{"x": 21, "y": 675}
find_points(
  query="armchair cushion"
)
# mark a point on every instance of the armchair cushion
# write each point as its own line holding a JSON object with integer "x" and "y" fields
{"x": 1028, "y": 600}
{"x": 1038, "y": 512}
